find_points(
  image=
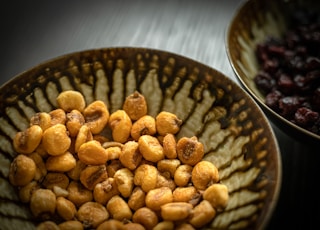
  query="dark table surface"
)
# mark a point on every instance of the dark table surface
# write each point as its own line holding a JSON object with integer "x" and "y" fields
{"x": 35, "y": 31}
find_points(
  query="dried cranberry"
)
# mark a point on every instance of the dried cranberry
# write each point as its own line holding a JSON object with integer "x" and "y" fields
{"x": 288, "y": 105}
{"x": 286, "y": 84}
{"x": 264, "y": 81}
{"x": 304, "y": 116}
{"x": 272, "y": 99}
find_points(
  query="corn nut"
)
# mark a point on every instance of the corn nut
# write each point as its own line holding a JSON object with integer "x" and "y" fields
{"x": 92, "y": 214}
{"x": 22, "y": 170}
{"x": 175, "y": 211}
{"x": 146, "y": 177}
{"x": 167, "y": 122}
{"x": 55, "y": 179}
{"x": 137, "y": 199}
{"x": 146, "y": 217}
{"x": 120, "y": 124}
{"x": 71, "y": 100}
{"x": 145, "y": 125}
{"x": 27, "y": 141}
{"x": 150, "y": 148}
{"x": 65, "y": 208}
{"x": 119, "y": 209}
{"x": 58, "y": 116}
{"x": 157, "y": 197}
{"x": 130, "y": 155}
{"x": 169, "y": 146}
{"x": 111, "y": 224}
{"x": 105, "y": 190}
{"x": 43, "y": 203}
{"x": 41, "y": 119}
{"x": 203, "y": 213}
{"x": 56, "y": 140}
{"x": 218, "y": 196}
{"x": 96, "y": 116}
{"x": 70, "y": 225}
{"x": 92, "y": 153}
{"x": 189, "y": 150}
{"x": 78, "y": 194}
{"x": 182, "y": 176}
{"x": 124, "y": 180}
{"x": 135, "y": 106}
{"x": 74, "y": 122}
{"x": 61, "y": 163}
{"x": 204, "y": 174}
{"x": 92, "y": 175}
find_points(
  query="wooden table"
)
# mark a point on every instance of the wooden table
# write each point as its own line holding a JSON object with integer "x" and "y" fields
{"x": 35, "y": 31}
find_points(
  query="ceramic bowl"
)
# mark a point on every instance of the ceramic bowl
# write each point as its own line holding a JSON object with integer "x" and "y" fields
{"x": 253, "y": 22}
{"x": 236, "y": 135}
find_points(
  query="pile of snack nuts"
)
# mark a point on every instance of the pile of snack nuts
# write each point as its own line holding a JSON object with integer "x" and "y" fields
{"x": 73, "y": 176}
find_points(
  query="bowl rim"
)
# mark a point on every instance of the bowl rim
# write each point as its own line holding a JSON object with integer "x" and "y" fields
{"x": 277, "y": 183}
{"x": 275, "y": 117}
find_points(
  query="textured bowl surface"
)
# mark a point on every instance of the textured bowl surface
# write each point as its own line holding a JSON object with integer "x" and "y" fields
{"x": 252, "y": 22}
{"x": 235, "y": 132}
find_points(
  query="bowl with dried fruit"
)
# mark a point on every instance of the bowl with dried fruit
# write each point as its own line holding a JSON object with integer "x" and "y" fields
{"x": 273, "y": 48}
{"x": 133, "y": 137}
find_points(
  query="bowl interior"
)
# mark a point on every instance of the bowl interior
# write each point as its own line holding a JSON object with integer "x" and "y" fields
{"x": 236, "y": 134}
{"x": 253, "y": 21}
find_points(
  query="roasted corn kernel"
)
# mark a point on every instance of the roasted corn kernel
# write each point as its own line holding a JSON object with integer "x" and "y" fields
{"x": 150, "y": 148}
{"x": 92, "y": 175}
{"x": 119, "y": 209}
{"x": 96, "y": 116}
{"x": 189, "y": 150}
{"x": 157, "y": 197}
{"x": 175, "y": 211}
{"x": 146, "y": 217}
{"x": 203, "y": 213}
{"x": 61, "y": 163}
{"x": 22, "y": 170}
{"x": 92, "y": 214}
{"x": 145, "y": 125}
{"x": 43, "y": 203}
{"x": 120, "y": 124}
{"x": 27, "y": 141}
{"x": 167, "y": 122}
{"x": 130, "y": 155}
{"x": 218, "y": 196}
{"x": 135, "y": 105}
{"x": 69, "y": 100}
{"x": 56, "y": 140}
{"x": 65, "y": 208}
{"x": 92, "y": 153}
{"x": 204, "y": 174}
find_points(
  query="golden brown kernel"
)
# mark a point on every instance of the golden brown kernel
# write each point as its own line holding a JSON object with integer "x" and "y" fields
{"x": 96, "y": 116}
{"x": 61, "y": 163}
{"x": 113, "y": 152}
{"x": 41, "y": 170}
{"x": 169, "y": 146}
{"x": 145, "y": 125}
{"x": 124, "y": 181}
{"x": 26, "y": 191}
{"x": 167, "y": 122}
{"x": 217, "y": 195}
{"x": 182, "y": 175}
{"x": 43, "y": 203}
{"x": 105, "y": 190}
{"x": 42, "y": 119}
{"x": 146, "y": 217}
{"x": 157, "y": 197}
{"x": 120, "y": 124}
{"x": 190, "y": 151}
{"x": 45, "y": 225}
{"x": 111, "y": 225}
{"x": 204, "y": 174}
{"x": 56, "y": 140}
{"x": 203, "y": 213}
{"x": 75, "y": 121}
{"x": 164, "y": 225}
{"x": 113, "y": 166}
{"x": 92, "y": 175}
{"x": 27, "y": 141}
{"x": 58, "y": 116}
{"x": 55, "y": 179}
{"x": 133, "y": 226}
{"x": 137, "y": 199}
{"x": 119, "y": 209}
{"x": 130, "y": 155}
{"x": 186, "y": 194}
{"x": 74, "y": 173}
{"x": 84, "y": 135}
{"x": 135, "y": 106}
{"x": 150, "y": 148}
{"x": 65, "y": 208}
{"x": 175, "y": 211}
{"x": 71, "y": 225}
{"x": 78, "y": 194}
{"x": 146, "y": 177}
{"x": 168, "y": 165}
{"x": 92, "y": 214}
{"x": 92, "y": 153}
{"x": 22, "y": 170}
{"x": 69, "y": 100}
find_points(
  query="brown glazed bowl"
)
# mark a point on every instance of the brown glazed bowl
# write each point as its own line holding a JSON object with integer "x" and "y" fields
{"x": 237, "y": 136}
{"x": 252, "y": 23}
